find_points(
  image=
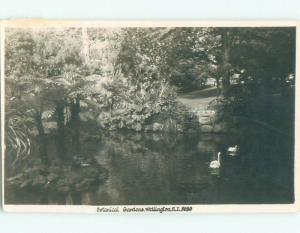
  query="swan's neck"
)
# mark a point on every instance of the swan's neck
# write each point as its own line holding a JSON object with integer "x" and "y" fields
{"x": 219, "y": 157}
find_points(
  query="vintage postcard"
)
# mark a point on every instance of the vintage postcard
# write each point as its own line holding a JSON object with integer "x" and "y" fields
{"x": 149, "y": 117}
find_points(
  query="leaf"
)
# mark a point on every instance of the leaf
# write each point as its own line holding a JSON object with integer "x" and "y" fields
{"x": 15, "y": 177}
{"x": 25, "y": 183}
{"x": 48, "y": 113}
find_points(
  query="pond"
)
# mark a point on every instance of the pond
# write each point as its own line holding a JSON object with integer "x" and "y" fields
{"x": 148, "y": 168}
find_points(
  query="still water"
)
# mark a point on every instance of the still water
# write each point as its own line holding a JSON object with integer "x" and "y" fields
{"x": 174, "y": 169}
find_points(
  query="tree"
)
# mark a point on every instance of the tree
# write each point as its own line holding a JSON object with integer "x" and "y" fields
{"x": 257, "y": 54}
{"x": 44, "y": 69}
{"x": 138, "y": 88}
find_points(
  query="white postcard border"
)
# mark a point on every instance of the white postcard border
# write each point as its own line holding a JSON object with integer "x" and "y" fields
{"x": 213, "y": 208}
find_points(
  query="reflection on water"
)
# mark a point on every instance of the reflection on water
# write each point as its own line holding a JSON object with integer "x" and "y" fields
{"x": 174, "y": 169}
{"x": 152, "y": 169}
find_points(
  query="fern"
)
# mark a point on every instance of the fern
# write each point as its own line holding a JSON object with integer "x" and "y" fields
{"x": 17, "y": 136}
{"x": 49, "y": 113}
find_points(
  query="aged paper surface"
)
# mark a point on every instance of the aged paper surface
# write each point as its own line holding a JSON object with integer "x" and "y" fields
{"x": 149, "y": 117}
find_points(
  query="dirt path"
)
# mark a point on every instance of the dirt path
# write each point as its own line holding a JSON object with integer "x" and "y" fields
{"x": 198, "y": 101}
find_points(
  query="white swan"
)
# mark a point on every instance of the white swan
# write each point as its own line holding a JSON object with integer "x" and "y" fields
{"x": 216, "y": 163}
{"x": 233, "y": 149}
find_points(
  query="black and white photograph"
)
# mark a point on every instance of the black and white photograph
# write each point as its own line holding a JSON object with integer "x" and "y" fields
{"x": 160, "y": 116}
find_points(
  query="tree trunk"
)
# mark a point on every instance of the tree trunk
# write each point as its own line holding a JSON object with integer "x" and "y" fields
{"x": 60, "y": 130}
{"x": 75, "y": 125}
{"x": 41, "y": 139}
{"x": 85, "y": 45}
{"x": 226, "y": 65}
{"x": 218, "y": 85}
{"x": 75, "y": 110}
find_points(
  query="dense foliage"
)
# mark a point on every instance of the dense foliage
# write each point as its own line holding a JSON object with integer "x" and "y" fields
{"x": 130, "y": 78}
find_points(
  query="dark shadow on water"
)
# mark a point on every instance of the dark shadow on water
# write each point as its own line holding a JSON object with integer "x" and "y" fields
{"x": 147, "y": 168}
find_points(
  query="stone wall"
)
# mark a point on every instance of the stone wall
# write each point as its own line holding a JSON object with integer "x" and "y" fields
{"x": 209, "y": 120}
